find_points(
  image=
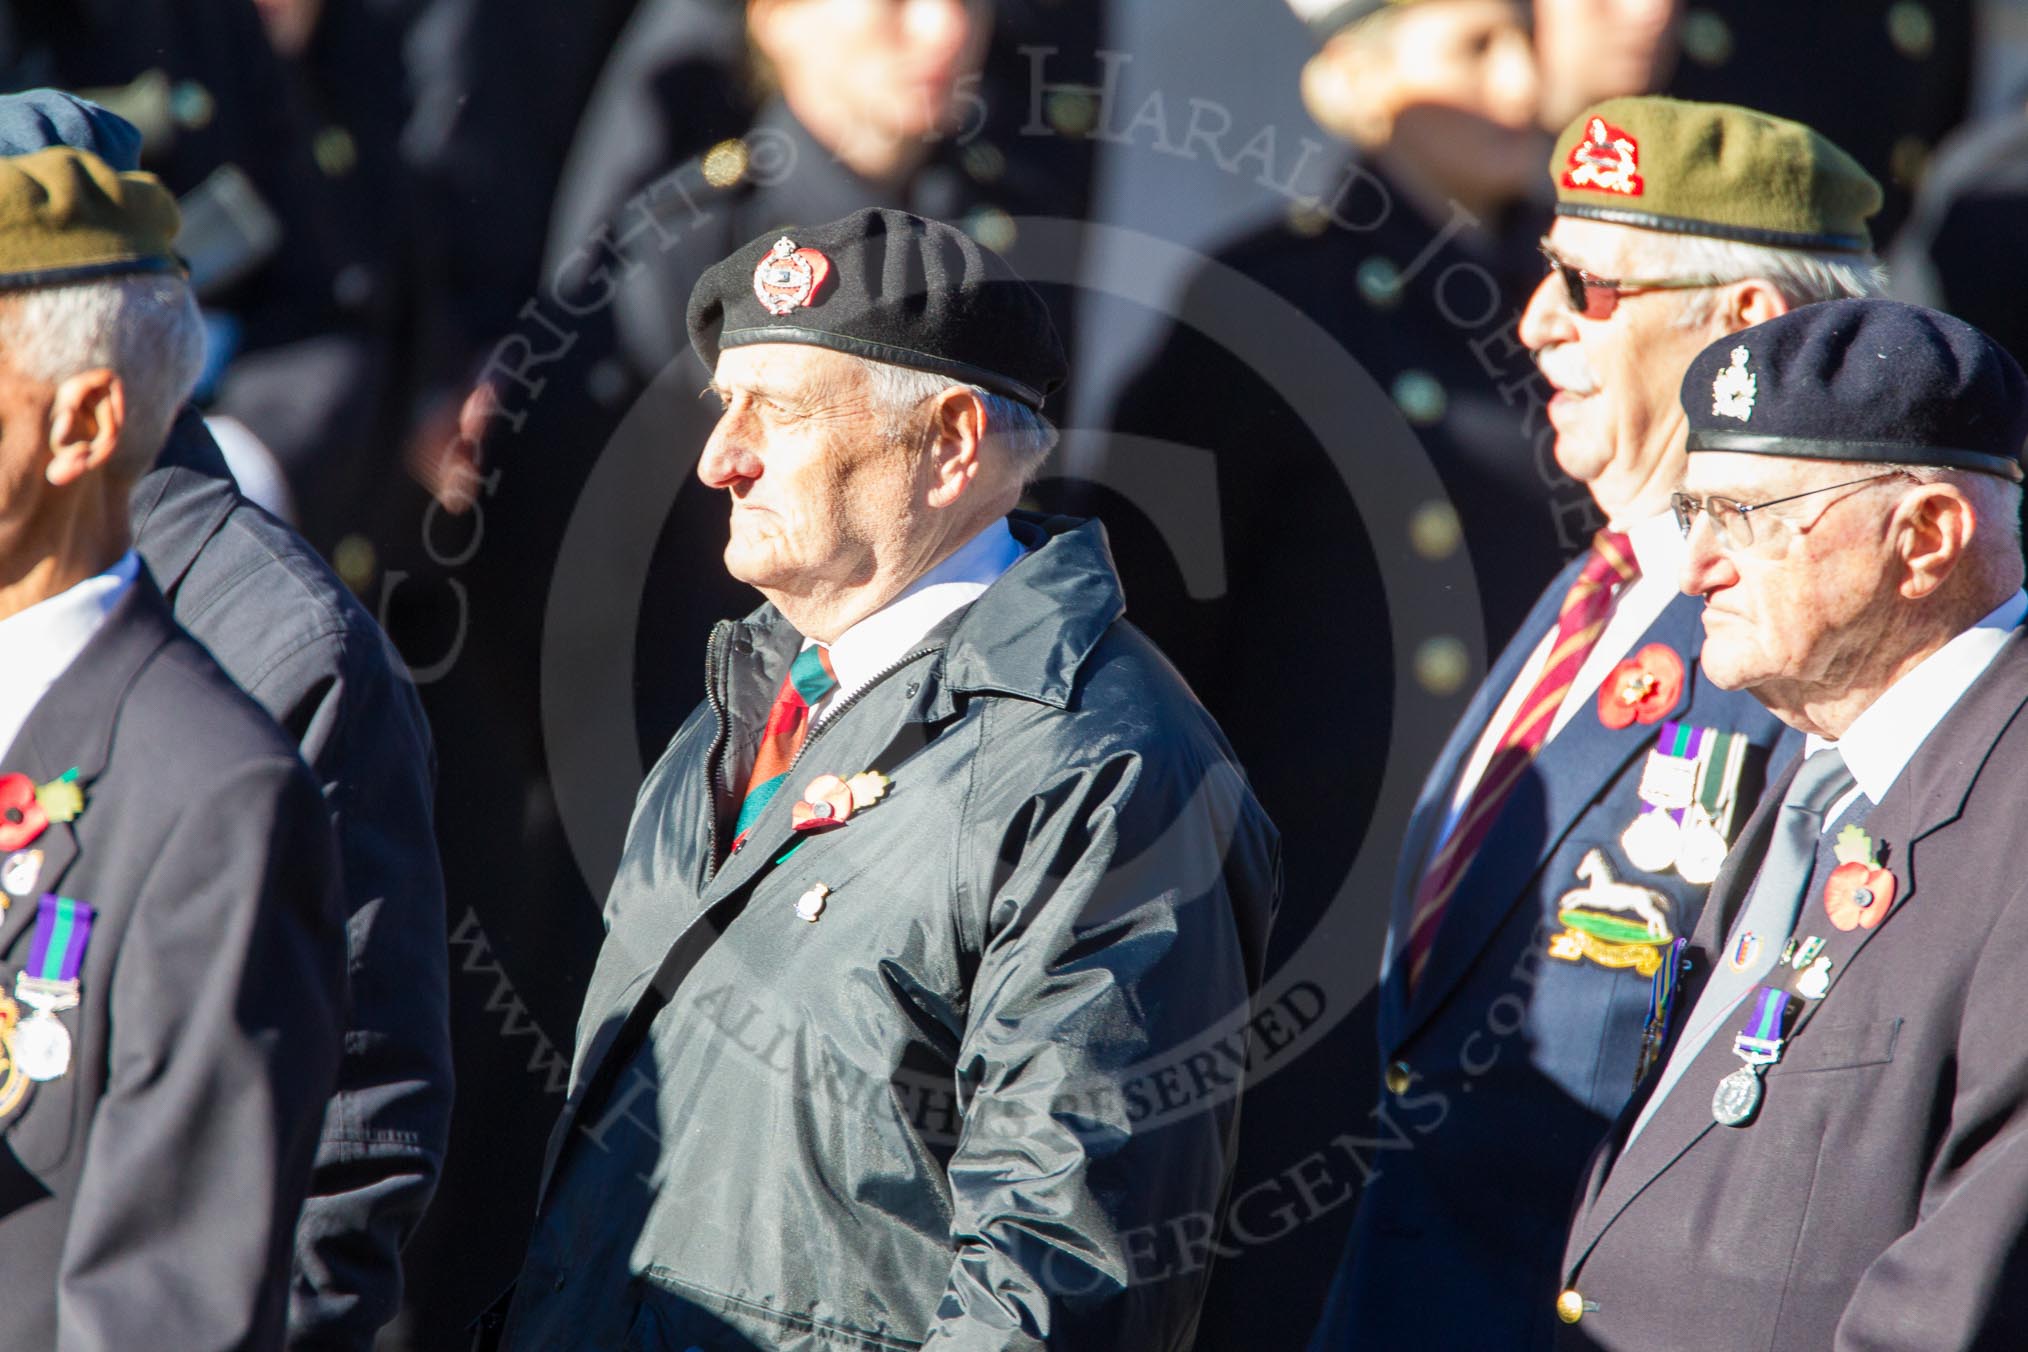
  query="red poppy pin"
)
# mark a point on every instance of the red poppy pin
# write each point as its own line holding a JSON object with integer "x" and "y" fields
{"x": 830, "y": 801}
{"x": 1644, "y": 688}
{"x": 1605, "y": 159}
{"x": 1859, "y": 892}
{"x": 26, "y": 810}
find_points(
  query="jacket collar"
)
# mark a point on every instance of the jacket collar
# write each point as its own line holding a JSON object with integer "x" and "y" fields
{"x": 72, "y": 726}
{"x": 1929, "y": 795}
{"x": 181, "y": 503}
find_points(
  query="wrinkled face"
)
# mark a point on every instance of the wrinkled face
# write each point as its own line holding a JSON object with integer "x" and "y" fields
{"x": 1806, "y": 605}
{"x": 1593, "y": 50}
{"x": 1616, "y": 413}
{"x": 1467, "y": 93}
{"x": 817, "y": 484}
{"x": 890, "y": 66}
{"x": 25, "y": 409}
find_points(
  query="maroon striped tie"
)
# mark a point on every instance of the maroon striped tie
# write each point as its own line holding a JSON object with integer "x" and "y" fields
{"x": 1586, "y": 608}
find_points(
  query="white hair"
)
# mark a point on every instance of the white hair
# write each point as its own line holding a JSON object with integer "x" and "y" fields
{"x": 1801, "y": 276}
{"x": 1993, "y": 498}
{"x": 1016, "y": 430}
{"x": 144, "y": 328}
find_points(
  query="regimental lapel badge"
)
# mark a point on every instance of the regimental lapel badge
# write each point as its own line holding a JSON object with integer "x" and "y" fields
{"x": 18, "y": 875}
{"x": 1614, "y": 924}
{"x": 1605, "y": 159}
{"x": 27, "y": 809}
{"x": 810, "y": 906}
{"x": 1689, "y": 788}
{"x": 789, "y": 277}
{"x": 1733, "y": 390}
{"x": 1859, "y": 891}
{"x": 1643, "y": 688}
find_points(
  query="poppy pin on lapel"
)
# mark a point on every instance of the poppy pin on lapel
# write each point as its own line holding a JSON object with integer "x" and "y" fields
{"x": 1859, "y": 891}
{"x": 1644, "y": 688}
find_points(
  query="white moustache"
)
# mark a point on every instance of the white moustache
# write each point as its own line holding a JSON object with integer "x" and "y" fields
{"x": 1564, "y": 366}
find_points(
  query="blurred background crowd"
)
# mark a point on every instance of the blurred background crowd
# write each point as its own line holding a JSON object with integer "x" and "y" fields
{"x": 444, "y": 248}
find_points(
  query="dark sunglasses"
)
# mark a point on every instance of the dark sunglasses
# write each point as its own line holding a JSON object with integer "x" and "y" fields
{"x": 1597, "y": 297}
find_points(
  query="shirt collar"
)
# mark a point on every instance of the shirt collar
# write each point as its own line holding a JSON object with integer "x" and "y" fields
{"x": 43, "y": 640}
{"x": 886, "y": 636}
{"x": 1659, "y": 547}
{"x": 1883, "y": 739}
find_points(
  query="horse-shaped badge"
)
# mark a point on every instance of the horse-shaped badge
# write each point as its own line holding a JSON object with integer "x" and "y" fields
{"x": 1615, "y": 924}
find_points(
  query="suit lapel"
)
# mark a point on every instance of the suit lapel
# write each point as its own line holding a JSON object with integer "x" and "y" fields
{"x": 71, "y": 727}
{"x": 1433, "y": 805}
{"x": 1929, "y": 794}
{"x": 1570, "y": 775}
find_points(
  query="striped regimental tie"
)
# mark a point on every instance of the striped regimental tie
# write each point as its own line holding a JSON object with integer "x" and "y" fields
{"x": 1586, "y": 608}
{"x": 810, "y": 678}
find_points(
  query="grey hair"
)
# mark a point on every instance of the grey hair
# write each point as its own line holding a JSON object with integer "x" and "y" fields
{"x": 145, "y": 329}
{"x": 1802, "y": 276}
{"x": 1992, "y": 497}
{"x": 1024, "y": 435}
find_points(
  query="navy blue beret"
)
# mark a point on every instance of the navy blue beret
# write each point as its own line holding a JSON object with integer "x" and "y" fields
{"x": 41, "y": 118}
{"x": 1865, "y": 380}
{"x": 890, "y": 287}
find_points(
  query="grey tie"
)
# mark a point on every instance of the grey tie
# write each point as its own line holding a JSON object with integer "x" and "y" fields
{"x": 1770, "y": 911}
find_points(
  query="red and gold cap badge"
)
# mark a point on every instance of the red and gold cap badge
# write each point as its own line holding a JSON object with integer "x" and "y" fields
{"x": 789, "y": 277}
{"x": 1605, "y": 159}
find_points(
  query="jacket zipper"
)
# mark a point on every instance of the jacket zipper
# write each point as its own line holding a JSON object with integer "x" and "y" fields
{"x": 818, "y": 731}
{"x": 854, "y": 698}
{"x": 713, "y": 652}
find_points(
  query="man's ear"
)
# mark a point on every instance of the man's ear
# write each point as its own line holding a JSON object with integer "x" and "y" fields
{"x": 1933, "y": 529}
{"x": 1753, "y": 301}
{"x": 86, "y": 418}
{"x": 957, "y": 442}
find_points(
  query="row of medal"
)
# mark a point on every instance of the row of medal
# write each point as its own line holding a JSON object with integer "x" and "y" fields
{"x": 1690, "y": 789}
{"x": 1760, "y": 1040}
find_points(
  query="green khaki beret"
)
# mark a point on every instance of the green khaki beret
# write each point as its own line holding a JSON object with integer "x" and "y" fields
{"x": 1712, "y": 169}
{"x": 67, "y": 216}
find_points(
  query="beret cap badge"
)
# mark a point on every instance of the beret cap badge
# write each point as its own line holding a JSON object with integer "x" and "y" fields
{"x": 1606, "y": 159}
{"x": 1733, "y": 389}
{"x": 787, "y": 277}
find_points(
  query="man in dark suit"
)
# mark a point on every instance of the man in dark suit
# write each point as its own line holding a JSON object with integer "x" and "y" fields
{"x": 282, "y": 625}
{"x": 1563, "y": 843}
{"x": 1835, "y": 1152}
{"x": 171, "y": 933}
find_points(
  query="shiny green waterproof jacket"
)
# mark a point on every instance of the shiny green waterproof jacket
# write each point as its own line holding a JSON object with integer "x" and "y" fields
{"x": 988, "y": 1097}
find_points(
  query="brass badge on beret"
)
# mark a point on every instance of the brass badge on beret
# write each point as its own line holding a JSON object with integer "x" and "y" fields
{"x": 1606, "y": 159}
{"x": 1733, "y": 390}
{"x": 788, "y": 277}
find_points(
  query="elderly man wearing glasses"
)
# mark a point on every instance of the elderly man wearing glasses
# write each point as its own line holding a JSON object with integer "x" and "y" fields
{"x": 1834, "y": 1153}
{"x": 1563, "y": 843}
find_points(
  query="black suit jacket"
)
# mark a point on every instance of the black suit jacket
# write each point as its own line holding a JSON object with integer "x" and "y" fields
{"x": 1879, "y": 1200}
{"x": 148, "y": 1196}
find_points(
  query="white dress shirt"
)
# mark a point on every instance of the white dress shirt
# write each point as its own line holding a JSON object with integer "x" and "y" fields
{"x": 874, "y": 644}
{"x": 37, "y": 645}
{"x": 1660, "y": 549}
{"x": 1882, "y": 740}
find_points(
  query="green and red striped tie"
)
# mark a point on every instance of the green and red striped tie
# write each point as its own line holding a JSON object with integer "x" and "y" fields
{"x": 1587, "y": 606}
{"x": 810, "y": 678}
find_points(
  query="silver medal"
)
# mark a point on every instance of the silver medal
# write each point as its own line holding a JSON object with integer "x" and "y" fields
{"x": 41, "y": 1047}
{"x": 1737, "y": 1098}
{"x": 1651, "y": 842}
{"x": 1701, "y": 851}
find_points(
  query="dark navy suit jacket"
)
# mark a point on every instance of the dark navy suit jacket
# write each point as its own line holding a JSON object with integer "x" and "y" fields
{"x": 1508, "y": 1063}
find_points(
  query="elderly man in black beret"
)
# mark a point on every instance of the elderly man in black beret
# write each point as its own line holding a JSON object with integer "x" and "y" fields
{"x": 935, "y": 916}
{"x": 1835, "y": 1152}
{"x": 171, "y": 943}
